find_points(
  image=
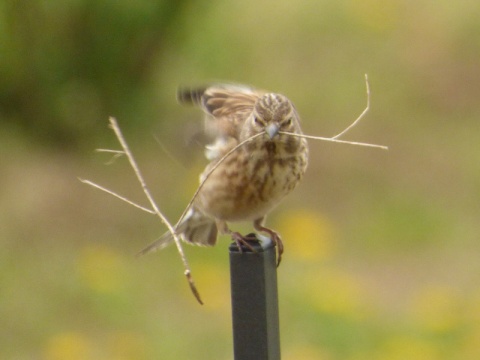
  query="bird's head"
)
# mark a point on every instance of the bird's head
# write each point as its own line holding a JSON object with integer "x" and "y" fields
{"x": 273, "y": 113}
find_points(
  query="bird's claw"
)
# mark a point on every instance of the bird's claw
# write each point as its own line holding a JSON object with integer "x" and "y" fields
{"x": 241, "y": 240}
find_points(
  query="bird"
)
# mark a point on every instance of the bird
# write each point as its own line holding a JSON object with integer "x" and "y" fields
{"x": 253, "y": 179}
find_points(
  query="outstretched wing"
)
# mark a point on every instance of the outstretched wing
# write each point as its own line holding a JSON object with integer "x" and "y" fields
{"x": 227, "y": 106}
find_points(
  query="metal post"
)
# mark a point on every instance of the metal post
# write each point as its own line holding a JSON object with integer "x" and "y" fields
{"x": 253, "y": 277}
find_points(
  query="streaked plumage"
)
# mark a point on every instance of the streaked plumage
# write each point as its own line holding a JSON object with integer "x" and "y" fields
{"x": 256, "y": 177}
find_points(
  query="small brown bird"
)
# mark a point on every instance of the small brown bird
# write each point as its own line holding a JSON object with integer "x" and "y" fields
{"x": 250, "y": 182}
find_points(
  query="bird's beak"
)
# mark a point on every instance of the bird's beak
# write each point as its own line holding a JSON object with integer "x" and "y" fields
{"x": 272, "y": 130}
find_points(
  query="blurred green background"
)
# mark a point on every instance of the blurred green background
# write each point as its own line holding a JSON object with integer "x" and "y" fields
{"x": 382, "y": 250}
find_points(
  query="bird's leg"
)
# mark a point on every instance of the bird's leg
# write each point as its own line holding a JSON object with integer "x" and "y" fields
{"x": 236, "y": 236}
{"x": 258, "y": 225}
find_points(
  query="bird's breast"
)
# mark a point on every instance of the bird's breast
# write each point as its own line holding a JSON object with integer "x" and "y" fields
{"x": 250, "y": 182}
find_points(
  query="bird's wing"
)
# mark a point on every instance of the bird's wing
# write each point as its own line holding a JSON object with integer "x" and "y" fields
{"x": 227, "y": 106}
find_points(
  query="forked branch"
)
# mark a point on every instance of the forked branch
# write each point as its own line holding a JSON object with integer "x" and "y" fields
{"x": 156, "y": 210}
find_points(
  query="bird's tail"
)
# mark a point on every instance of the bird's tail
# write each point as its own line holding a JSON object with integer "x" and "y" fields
{"x": 196, "y": 228}
{"x": 162, "y": 242}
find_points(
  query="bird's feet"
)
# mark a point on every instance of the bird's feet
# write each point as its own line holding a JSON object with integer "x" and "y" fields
{"x": 241, "y": 240}
{"x": 274, "y": 236}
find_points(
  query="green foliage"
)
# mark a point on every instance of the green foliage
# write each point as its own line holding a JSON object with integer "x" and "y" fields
{"x": 66, "y": 66}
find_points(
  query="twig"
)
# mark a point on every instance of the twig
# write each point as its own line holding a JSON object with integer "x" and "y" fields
{"x": 155, "y": 211}
{"x": 116, "y": 154}
{"x": 91, "y": 183}
{"x": 211, "y": 171}
{"x": 168, "y": 153}
{"x": 188, "y": 274}
{"x": 361, "y": 115}
{"x": 383, "y": 147}
{"x": 357, "y": 120}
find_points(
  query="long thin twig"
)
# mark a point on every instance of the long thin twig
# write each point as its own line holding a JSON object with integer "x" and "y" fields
{"x": 116, "y": 154}
{"x": 168, "y": 153}
{"x": 357, "y": 120}
{"x": 211, "y": 171}
{"x": 383, "y": 147}
{"x": 131, "y": 159}
{"x": 348, "y": 128}
{"x": 155, "y": 211}
{"x": 91, "y": 183}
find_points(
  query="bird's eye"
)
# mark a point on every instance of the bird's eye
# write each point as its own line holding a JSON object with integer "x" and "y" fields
{"x": 257, "y": 121}
{"x": 287, "y": 122}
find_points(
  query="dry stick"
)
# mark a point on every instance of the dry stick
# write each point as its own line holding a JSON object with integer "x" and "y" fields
{"x": 156, "y": 211}
{"x": 118, "y": 133}
{"x": 88, "y": 182}
{"x": 383, "y": 147}
{"x": 116, "y": 154}
{"x": 211, "y": 171}
{"x": 168, "y": 153}
{"x": 361, "y": 115}
{"x": 357, "y": 120}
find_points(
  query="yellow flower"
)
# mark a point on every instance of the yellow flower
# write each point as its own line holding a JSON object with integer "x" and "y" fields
{"x": 308, "y": 235}
{"x": 338, "y": 293}
{"x": 305, "y": 352}
{"x": 402, "y": 348}
{"x": 214, "y": 285}
{"x": 126, "y": 345}
{"x": 68, "y": 346}
{"x": 435, "y": 308}
{"x": 377, "y": 15}
{"x": 101, "y": 268}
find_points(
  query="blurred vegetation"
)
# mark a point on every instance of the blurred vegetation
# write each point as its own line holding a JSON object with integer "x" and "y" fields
{"x": 382, "y": 248}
